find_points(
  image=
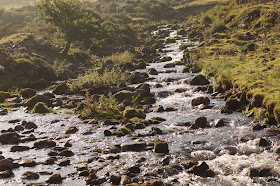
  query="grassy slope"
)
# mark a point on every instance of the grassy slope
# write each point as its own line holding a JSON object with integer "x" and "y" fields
{"x": 226, "y": 54}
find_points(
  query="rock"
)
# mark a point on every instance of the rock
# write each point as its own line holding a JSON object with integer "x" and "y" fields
{"x": 125, "y": 180}
{"x": 231, "y": 105}
{"x": 165, "y": 59}
{"x": 161, "y": 147}
{"x": 263, "y": 142}
{"x": 54, "y": 179}
{"x": 165, "y": 161}
{"x": 49, "y": 95}
{"x": 169, "y": 65}
{"x": 131, "y": 113}
{"x": 40, "y": 108}
{"x": 27, "y": 93}
{"x": 71, "y": 130}
{"x": 189, "y": 164}
{"x": 134, "y": 147}
{"x": 155, "y": 130}
{"x": 14, "y": 121}
{"x": 31, "y": 102}
{"x": 200, "y": 122}
{"x": 200, "y": 100}
{"x": 64, "y": 163}
{"x": 115, "y": 179}
{"x": 30, "y": 176}
{"x": 29, "y": 125}
{"x": 18, "y": 128}
{"x": 199, "y": 80}
{"x": 201, "y": 170}
{"x": 107, "y": 133}
{"x": 134, "y": 170}
{"x": 44, "y": 144}
{"x": 66, "y": 153}
{"x": 66, "y": 74}
{"x": 61, "y": 89}
{"x": 156, "y": 120}
{"x": 152, "y": 71}
{"x": 137, "y": 77}
{"x": 6, "y": 174}
{"x": 84, "y": 173}
{"x": 3, "y": 112}
{"x": 9, "y": 138}
{"x": 163, "y": 94}
{"x": 259, "y": 127}
{"x": 6, "y": 164}
{"x": 159, "y": 109}
{"x": 260, "y": 173}
{"x": 19, "y": 148}
{"x": 28, "y": 162}
{"x": 122, "y": 95}
{"x": 219, "y": 123}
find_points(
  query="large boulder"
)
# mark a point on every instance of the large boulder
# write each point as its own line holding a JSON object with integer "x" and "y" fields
{"x": 130, "y": 112}
{"x": 9, "y": 138}
{"x": 44, "y": 144}
{"x": 66, "y": 74}
{"x": 199, "y": 80}
{"x": 61, "y": 89}
{"x": 31, "y": 102}
{"x": 161, "y": 147}
{"x": 201, "y": 170}
{"x": 27, "y": 93}
{"x": 6, "y": 164}
{"x": 231, "y": 105}
{"x": 41, "y": 108}
{"x": 137, "y": 77}
{"x": 200, "y": 122}
{"x": 122, "y": 95}
{"x": 200, "y": 100}
{"x": 136, "y": 147}
{"x": 54, "y": 179}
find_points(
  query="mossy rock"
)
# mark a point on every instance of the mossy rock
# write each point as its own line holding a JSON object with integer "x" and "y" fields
{"x": 130, "y": 112}
{"x": 155, "y": 120}
{"x": 41, "y": 108}
{"x": 158, "y": 85}
{"x": 166, "y": 58}
{"x": 27, "y": 93}
{"x": 170, "y": 40}
{"x": 161, "y": 147}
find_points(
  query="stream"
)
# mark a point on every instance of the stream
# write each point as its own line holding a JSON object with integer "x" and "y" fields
{"x": 231, "y": 151}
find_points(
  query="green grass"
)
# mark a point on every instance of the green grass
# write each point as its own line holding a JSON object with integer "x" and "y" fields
{"x": 98, "y": 81}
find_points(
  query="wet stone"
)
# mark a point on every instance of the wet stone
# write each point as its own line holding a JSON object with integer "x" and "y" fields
{"x": 263, "y": 142}
{"x": 199, "y": 80}
{"x": 18, "y": 128}
{"x": 134, "y": 169}
{"x": 30, "y": 176}
{"x": 19, "y": 148}
{"x": 28, "y": 163}
{"x": 44, "y": 144}
{"x": 115, "y": 179}
{"x": 9, "y": 138}
{"x": 134, "y": 147}
{"x": 71, "y": 130}
{"x": 66, "y": 153}
{"x": 84, "y": 173}
{"x": 200, "y": 122}
{"x": 107, "y": 133}
{"x": 67, "y": 144}
{"x": 54, "y": 179}
{"x": 29, "y": 125}
{"x": 161, "y": 147}
{"x": 64, "y": 163}
{"x": 6, "y": 174}
{"x": 219, "y": 123}
{"x": 200, "y": 100}
{"x": 6, "y": 164}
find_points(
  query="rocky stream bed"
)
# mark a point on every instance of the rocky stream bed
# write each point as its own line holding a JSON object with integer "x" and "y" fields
{"x": 195, "y": 145}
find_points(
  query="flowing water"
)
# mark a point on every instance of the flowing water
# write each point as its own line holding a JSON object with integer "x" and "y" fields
{"x": 230, "y": 151}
